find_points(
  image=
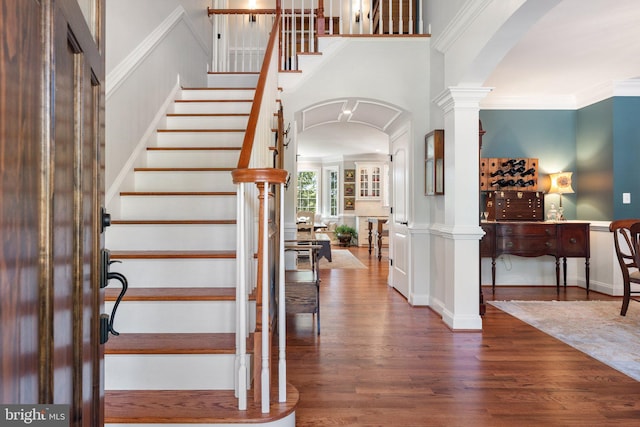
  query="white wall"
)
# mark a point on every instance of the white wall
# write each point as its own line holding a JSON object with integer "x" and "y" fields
{"x": 152, "y": 46}
{"x": 389, "y": 70}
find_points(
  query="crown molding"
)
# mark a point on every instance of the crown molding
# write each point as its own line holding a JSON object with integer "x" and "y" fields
{"x": 467, "y": 14}
{"x": 594, "y": 94}
{"x": 552, "y": 102}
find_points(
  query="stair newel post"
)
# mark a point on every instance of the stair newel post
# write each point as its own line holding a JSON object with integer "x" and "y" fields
{"x": 241, "y": 300}
{"x": 262, "y": 350}
{"x": 282, "y": 322}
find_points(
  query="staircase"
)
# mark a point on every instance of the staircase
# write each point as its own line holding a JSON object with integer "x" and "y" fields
{"x": 174, "y": 361}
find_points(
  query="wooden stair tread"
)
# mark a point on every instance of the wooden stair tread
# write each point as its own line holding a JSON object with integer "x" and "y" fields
{"x": 194, "y": 148}
{"x": 183, "y": 169}
{"x": 207, "y": 114}
{"x": 214, "y": 100}
{"x": 233, "y": 73}
{"x": 173, "y": 294}
{"x": 218, "y": 88}
{"x": 173, "y": 221}
{"x": 202, "y": 130}
{"x": 192, "y": 406}
{"x": 172, "y": 343}
{"x": 178, "y": 193}
{"x": 171, "y": 254}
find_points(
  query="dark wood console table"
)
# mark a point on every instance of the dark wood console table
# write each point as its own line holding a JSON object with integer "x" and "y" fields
{"x": 533, "y": 239}
{"x": 379, "y": 232}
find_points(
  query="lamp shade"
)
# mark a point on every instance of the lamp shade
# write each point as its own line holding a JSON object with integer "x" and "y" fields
{"x": 561, "y": 183}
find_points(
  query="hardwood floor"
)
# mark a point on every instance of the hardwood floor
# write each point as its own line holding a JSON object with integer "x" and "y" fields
{"x": 381, "y": 362}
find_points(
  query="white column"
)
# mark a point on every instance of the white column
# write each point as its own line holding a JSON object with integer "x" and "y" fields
{"x": 461, "y": 232}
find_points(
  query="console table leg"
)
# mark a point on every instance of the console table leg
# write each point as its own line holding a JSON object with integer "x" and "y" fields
{"x": 564, "y": 271}
{"x": 493, "y": 276}
{"x": 586, "y": 272}
{"x": 557, "y": 275}
{"x": 370, "y": 225}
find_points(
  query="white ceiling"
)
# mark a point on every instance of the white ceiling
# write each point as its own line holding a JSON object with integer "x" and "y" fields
{"x": 581, "y": 52}
{"x": 577, "y": 54}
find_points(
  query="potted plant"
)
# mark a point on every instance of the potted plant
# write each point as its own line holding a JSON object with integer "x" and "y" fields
{"x": 345, "y": 234}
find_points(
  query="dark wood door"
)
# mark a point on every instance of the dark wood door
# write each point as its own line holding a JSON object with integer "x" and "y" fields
{"x": 51, "y": 136}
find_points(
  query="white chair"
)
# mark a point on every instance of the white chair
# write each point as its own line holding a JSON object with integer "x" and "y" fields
{"x": 304, "y": 220}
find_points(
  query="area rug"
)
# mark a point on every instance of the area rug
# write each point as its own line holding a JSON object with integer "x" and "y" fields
{"x": 340, "y": 258}
{"x": 593, "y": 327}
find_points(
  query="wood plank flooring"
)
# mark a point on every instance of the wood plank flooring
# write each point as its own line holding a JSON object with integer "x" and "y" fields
{"x": 381, "y": 362}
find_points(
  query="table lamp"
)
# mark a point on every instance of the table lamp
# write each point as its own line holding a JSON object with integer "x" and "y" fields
{"x": 560, "y": 184}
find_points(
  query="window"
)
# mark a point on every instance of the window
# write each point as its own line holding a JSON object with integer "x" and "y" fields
{"x": 332, "y": 192}
{"x": 307, "y": 191}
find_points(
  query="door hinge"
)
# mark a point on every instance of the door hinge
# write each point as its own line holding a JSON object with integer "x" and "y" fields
{"x": 391, "y": 262}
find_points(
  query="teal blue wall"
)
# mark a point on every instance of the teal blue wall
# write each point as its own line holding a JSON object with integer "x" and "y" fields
{"x": 600, "y": 144}
{"x": 548, "y": 135}
{"x": 594, "y": 146}
{"x": 626, "y": 156}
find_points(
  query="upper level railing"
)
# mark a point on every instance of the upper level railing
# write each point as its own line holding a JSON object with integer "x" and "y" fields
{"x": 241, "y": 35}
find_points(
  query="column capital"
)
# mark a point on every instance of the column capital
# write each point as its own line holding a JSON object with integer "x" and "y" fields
{"x": 461, "y": 97}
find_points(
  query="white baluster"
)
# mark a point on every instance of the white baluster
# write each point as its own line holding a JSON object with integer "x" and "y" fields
{"x": 241, "y": 307}
{"x": 400, "y": 20}
{"x": 265, "y": 377}
{"x": 282, "y": 321}
{"x": 361, "y": 20}
{"x": 390, "y": 18}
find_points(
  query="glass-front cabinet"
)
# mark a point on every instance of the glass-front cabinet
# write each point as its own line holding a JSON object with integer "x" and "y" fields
{"x": 369, "y": 181}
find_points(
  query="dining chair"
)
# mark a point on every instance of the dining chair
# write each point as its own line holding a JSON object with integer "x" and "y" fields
{"x": 304, "y": 220}
{"x": 626, "y": 237}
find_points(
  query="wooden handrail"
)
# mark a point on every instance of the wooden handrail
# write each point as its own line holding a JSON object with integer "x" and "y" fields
{"x": 247, "y": 144}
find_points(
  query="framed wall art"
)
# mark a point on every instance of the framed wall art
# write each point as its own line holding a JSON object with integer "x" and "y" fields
{"x": 349, "y": 190}
{"x": 349, "y": 175}
{"x": 349, "y": 203}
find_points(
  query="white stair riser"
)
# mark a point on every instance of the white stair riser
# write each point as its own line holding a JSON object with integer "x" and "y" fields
{"x": 178, "y": 207}
{"x": 184, "y": 181}
{"x": 171, "y": 237}
{"x": 217, "y": 94}
{"x": 233, "y": 80}
{"x": 192, "y": 158}
{"x": 200, "y": 139}
{"x": 207, "y": 122}
{"x": 169, "y": 273}
{"x": 169, "y": 372}
{"x": 176, "y": 316}
{"x": 212, "y": 107}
